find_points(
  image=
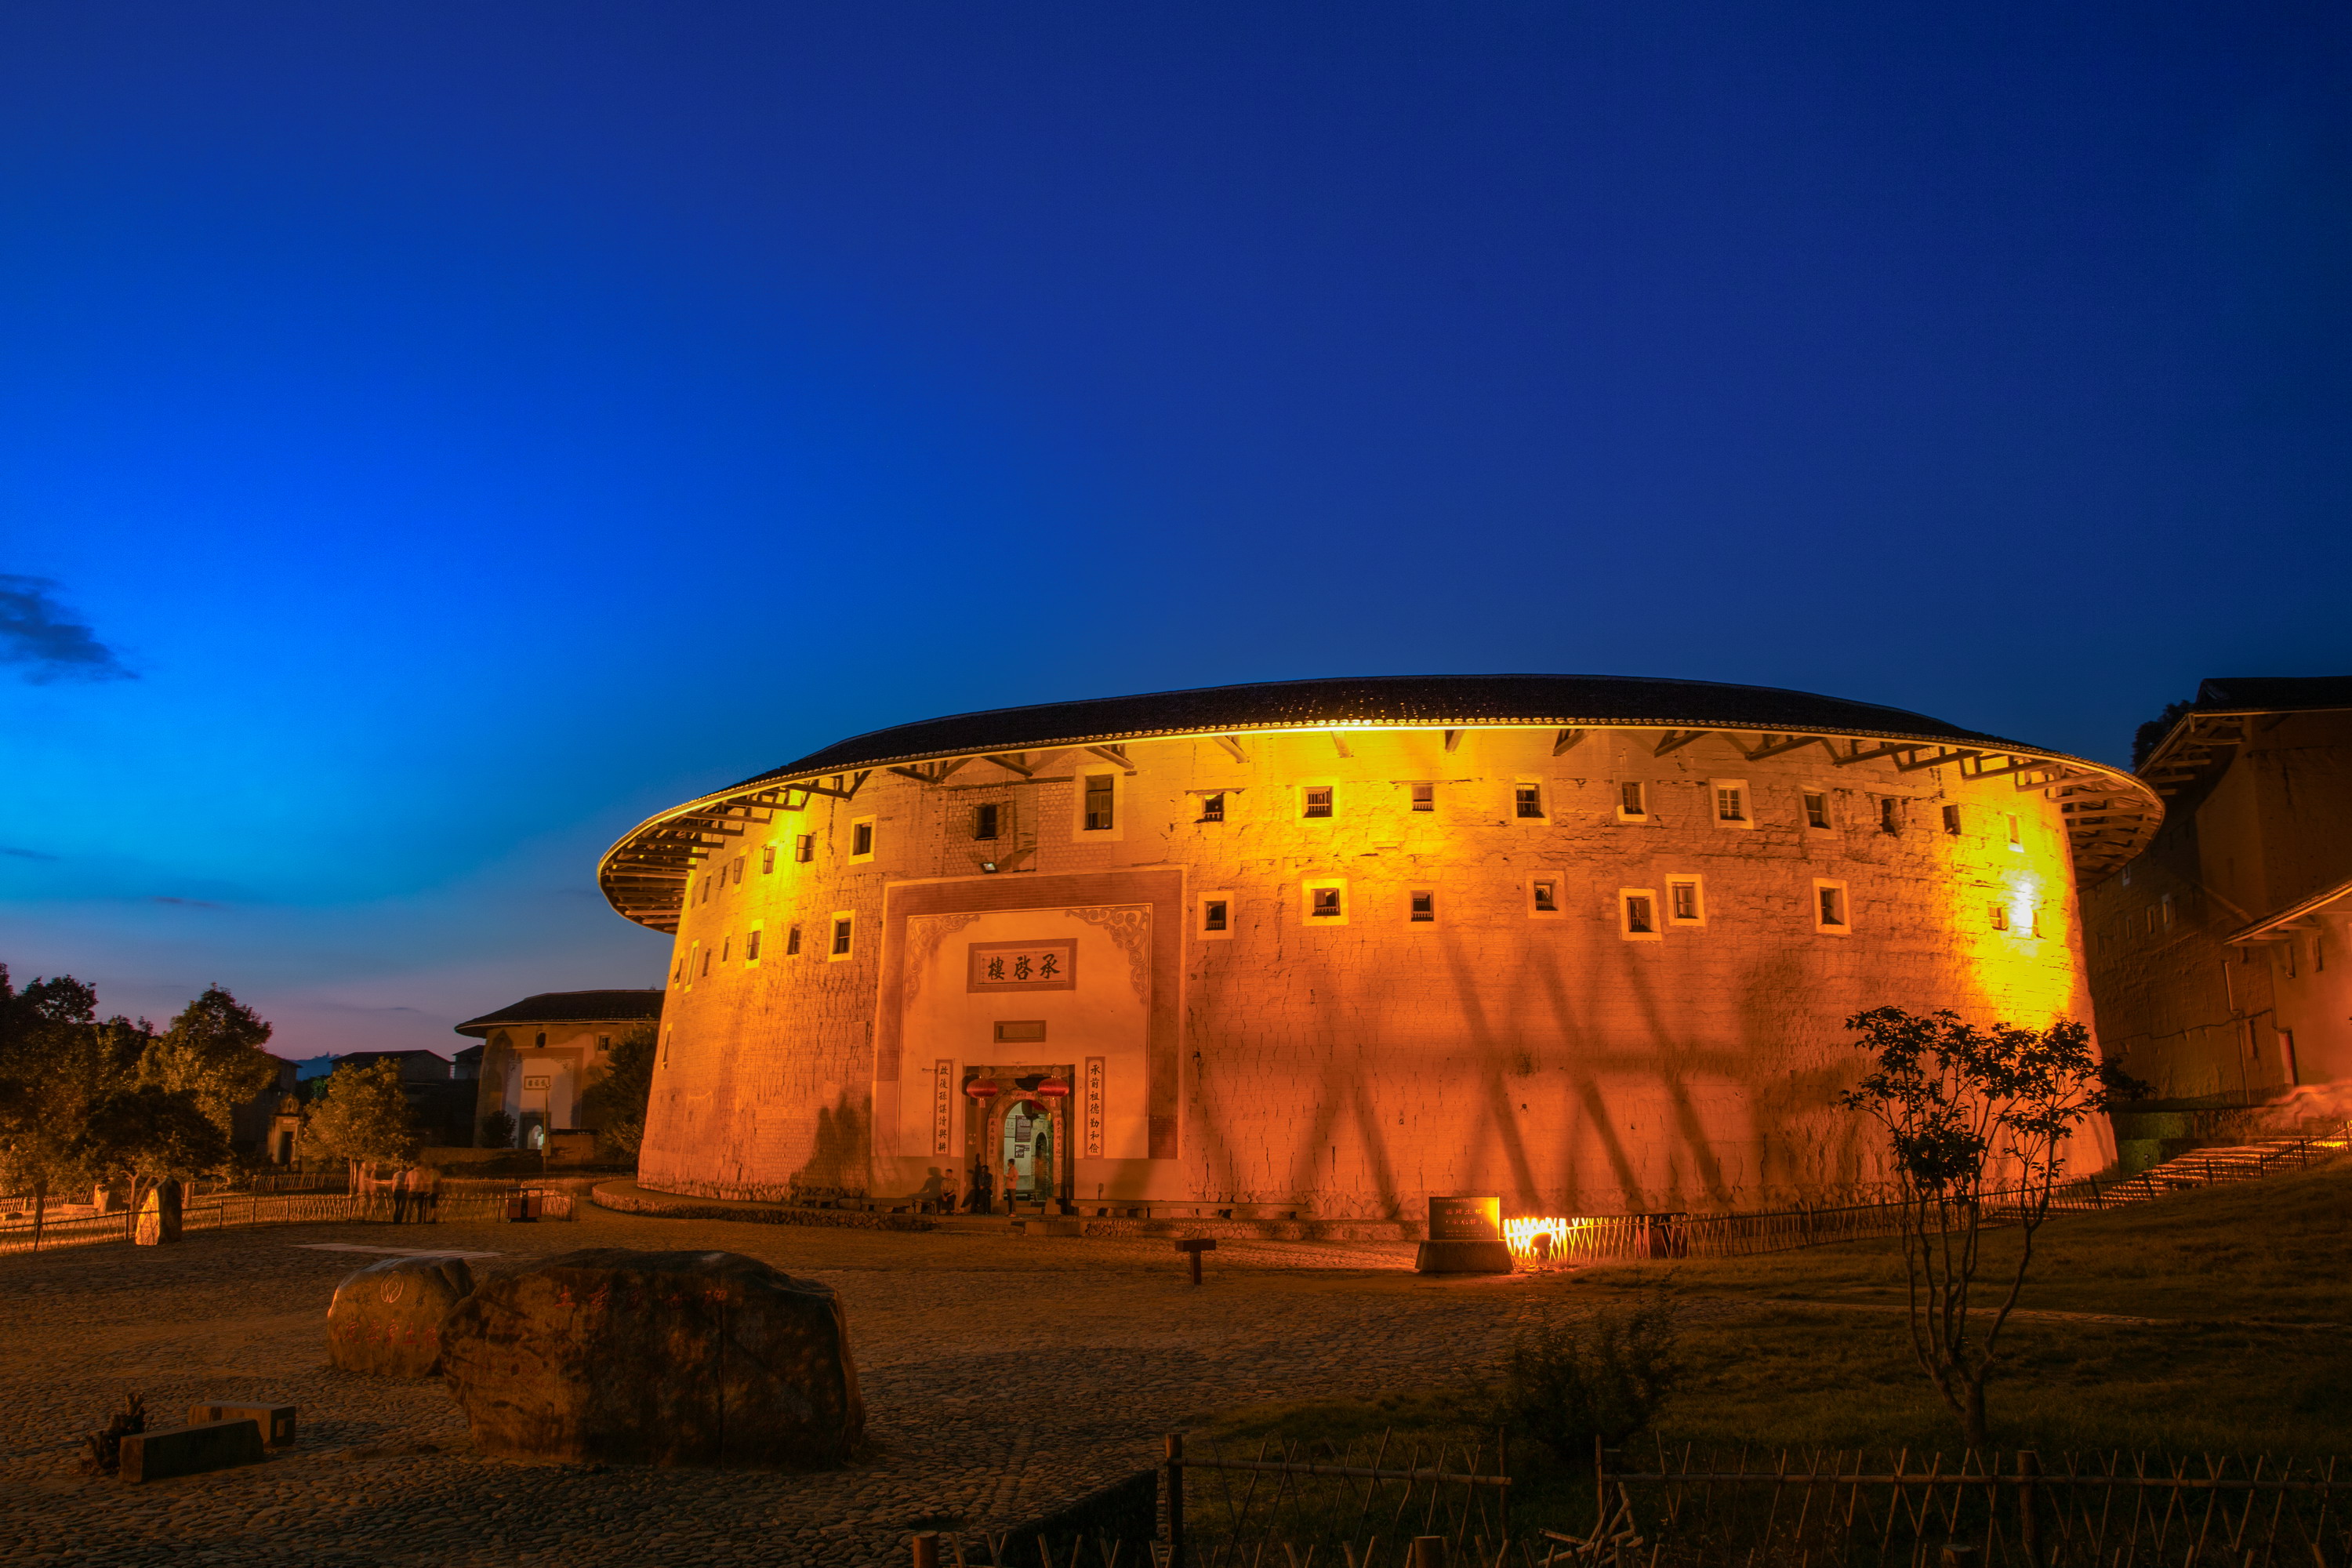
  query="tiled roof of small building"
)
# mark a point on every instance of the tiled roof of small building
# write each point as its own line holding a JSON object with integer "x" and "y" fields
{"x": 571, "y": 1007}
{"x": 1414, "y": 700}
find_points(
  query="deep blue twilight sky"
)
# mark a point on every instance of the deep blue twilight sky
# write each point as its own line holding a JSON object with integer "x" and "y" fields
{"x": 464, "y": 429}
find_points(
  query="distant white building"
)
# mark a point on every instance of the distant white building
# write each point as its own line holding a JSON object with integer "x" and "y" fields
{"x": 539, "y": 1055}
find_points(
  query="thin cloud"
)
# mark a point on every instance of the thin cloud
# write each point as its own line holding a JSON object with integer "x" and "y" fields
{"x": 187, "y": 903}
{"x": 25, "y": 854}
{"x": 35, "y": 632}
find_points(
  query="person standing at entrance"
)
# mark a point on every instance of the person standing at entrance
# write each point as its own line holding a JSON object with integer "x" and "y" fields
{"x": 1012, "y": 1184}
{"x": 982, "y": 1200}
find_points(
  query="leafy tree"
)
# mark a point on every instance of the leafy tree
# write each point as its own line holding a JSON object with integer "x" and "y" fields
{"x": 362, "y": 1113}
{"x": 498, "y": 1130}
{"x": 150, "y": 1135}
{"x": 212, "y": 1052}
{"x": 56, "y": 1063}
{"x": 2151, "y": 735}
{"x": 615, "y": 1103}
{"x": 1977, "y": 1122}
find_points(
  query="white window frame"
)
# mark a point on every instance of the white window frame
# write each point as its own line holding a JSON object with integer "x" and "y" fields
{"x": 1558, "y": 910}
{"x": 755, "y": 937}
{"x": 1306, "y": 784}
{"x": 1997, "y": 913}
{"x": 1625, "y": 897}
{"x": 1201, "y": 917}
{"x": 693, "y": 962}
{"x": 1804, "y": 804}
{"x": 1844, "y": 904}
{"x": 1698, "y": 885}
{"x": 832, "y": 925}
{"x": 804, "y": 849}
{"x": 1411, "y": 802}
{"x": 1079, "y": 832}
{"x": 1715, "y": 788}
{"x": 2016, "y": 832}
{"x": 1436, "y": 909}
{"x": 1645, "y": 814}
{"x": 770, "y": 853}
{"x": 873, "y": 837}
{"x": 1307, "y": 890}
{"x": 1542, "y": 817}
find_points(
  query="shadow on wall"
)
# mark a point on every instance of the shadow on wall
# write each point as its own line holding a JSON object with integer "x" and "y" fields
{"x": 836, "y": 1162}
{"x": 1627, "y": 1114}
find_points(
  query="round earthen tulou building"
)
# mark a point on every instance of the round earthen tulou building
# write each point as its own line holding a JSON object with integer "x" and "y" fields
{"x": 1323, "y": 947}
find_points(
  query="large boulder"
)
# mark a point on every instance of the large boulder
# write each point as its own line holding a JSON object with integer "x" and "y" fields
{"x": 664, "y": 1358}
{"x": 386, "y": 1319}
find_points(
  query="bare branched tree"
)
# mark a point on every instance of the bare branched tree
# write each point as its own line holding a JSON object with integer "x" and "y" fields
{"x": 1978, "y": 1121}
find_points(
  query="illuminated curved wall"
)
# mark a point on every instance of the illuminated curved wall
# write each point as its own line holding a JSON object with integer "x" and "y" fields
{"x": 1347, "y": 1064}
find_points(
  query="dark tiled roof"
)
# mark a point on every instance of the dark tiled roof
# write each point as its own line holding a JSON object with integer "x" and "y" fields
{"x": 1423, "y": 700}
{"x": 571, "y": 1007}
{"x": 2274, "y": 693}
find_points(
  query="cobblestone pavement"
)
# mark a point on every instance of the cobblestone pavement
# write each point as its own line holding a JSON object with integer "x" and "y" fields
{"x": 1002, "y": 1377}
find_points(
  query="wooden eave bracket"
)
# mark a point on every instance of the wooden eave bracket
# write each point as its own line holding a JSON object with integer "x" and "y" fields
{"x": 1012, "y": 762}
{"x": 1233, "y": 745}
{"x": 1453, "y": 738}
{"x": 1115, "y": 754}
{"x": 1913, "y": 764}
{"x": 1567, "y": 740}
{"x": 932, "y": 772}
{"x": 1871, "y": 755}
{"x": 1676, "y": 740}
{"x": 1773, "y": 748}
{"x": 1340, "y": 740}
{"x": 836, "y": 790}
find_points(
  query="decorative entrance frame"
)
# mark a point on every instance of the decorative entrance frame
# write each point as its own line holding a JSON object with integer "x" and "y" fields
{"x": 1010, "y": 891}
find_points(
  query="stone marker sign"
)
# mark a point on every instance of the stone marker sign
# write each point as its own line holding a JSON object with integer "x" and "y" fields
{"x": 1466, "y": 1236}
{"x": 276, "y": 1421}
{"x": 664, "y": 1358}
{"x": 190, "y": 1451}
{"x": 159, "y": 1216}
{"x": 386, "y": 1319}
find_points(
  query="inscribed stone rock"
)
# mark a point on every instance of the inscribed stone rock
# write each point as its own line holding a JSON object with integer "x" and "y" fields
{"x": 386, "y": 1318}
{"x": 666, "y": 1358}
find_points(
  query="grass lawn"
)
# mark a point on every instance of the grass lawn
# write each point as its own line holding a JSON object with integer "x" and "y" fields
{"x": 1811, "y": 1349}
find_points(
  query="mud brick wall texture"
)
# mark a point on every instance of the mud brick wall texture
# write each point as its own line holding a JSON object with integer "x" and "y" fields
{"x": 1524, "y": 1038}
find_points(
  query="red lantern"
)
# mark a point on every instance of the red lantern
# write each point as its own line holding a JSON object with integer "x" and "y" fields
{"x": 980, "y": 1088}
{"x": 1054, "y": 1088}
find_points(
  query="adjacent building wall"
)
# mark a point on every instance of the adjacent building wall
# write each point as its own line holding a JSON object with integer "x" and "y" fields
{"x": 1350, "y": 1063}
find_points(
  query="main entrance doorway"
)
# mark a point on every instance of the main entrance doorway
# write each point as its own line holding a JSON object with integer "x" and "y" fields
{"x": 1020, "y": 1134}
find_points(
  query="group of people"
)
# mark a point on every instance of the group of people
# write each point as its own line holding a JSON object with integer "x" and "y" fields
{"x": 415, "y": 1195}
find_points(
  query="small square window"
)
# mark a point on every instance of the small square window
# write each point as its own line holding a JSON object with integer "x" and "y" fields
{"x": 604, "y": 1042}
{"x": 2016, "y": 833}
{"x": 1730, "y": 803}
{"x": 792, "y": 941}
{"x": 1543, "y": 893}
{"x": 1890, "y": 815}
{"x": 1424, "y": 797}
{"x": 1638, "y": 912}
{"x": 1316, "y": 801}
{"x": 1952, "y": 819}
{"x": 1100, "y": 788}
{"x": 752, "y": 947}
{"x": 1817, "y": 810}
{"x": 1326, "y": 902}
{"x": 1212, "y": 807}
{"x": 1527, "y": 801}
{"x": 1830, "y": 914}
{"x": 1421, "y": 907}
{"x": 1633, "y": 802}
{"x": 804, "y": 847}
{"x": 738, "y": 876}
{"x": 767, "y": 859}
{"x": 1323, "y": 902}
{"x": 1999, "y": 914}
{"x": 1216, "y": 916}
{"x": 984, "y": 819}
{"x": 861, "y": 840}
{"x": 841, "y": 934}
{"x": 1685, "y": 905}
